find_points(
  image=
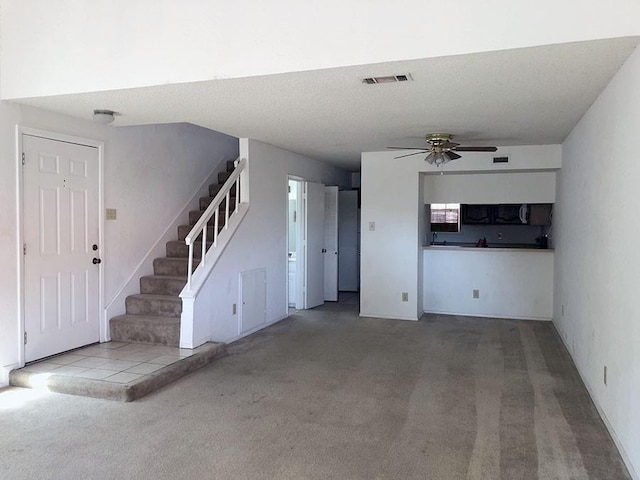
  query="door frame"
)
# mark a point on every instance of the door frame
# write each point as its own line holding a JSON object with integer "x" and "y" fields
{"x": 99, "y": 145}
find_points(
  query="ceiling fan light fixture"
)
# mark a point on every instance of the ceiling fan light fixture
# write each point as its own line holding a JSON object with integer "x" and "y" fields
{"x": 430, "y": 158}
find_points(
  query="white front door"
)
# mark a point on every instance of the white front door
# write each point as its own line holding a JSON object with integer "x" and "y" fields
{"x": 331, "y": 244}
{"x": 314, "y": 244}
{"x": 61, "y": 231}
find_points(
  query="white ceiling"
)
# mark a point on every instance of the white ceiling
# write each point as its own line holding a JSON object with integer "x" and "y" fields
{"x": 524, "y": 96}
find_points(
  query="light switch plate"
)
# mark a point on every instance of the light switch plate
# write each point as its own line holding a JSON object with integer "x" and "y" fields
{"x": 112, "y": 214}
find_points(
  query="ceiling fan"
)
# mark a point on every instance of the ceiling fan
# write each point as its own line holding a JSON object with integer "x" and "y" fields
{"x": 441, "y": 149}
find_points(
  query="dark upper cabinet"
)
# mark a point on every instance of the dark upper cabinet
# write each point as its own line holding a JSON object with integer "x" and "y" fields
{"x": 507, "y": 214}
{"x": 477, "y": 214}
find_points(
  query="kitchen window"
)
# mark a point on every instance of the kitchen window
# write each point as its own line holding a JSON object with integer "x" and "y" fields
{"x": 445, "y": 217}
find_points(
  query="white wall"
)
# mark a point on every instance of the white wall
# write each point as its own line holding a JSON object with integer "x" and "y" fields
{"x": 597, "y": 254}
{"x": 139, "y": 162}
{"x": 512, "y": 284}
{"x": 88, "y": 46}
{"x": 261, "y": 239}
{"x": 392, "y": 198}
{"x": 480, "y": 188}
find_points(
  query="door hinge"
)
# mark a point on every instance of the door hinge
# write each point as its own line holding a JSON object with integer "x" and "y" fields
{"x": 22, "y": 158}
{"x": 24, "y": 249}
{"x": 25, "y": 338}
{"x": 289, "y": 188}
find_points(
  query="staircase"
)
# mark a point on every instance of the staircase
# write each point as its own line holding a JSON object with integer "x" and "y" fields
{"x": 153, "y": 315}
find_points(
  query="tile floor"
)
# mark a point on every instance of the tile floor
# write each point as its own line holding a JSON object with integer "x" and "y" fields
{"x": 114, "y": 362}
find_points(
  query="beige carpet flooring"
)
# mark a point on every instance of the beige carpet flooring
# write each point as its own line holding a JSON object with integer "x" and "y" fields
{"x": 326, "y": 394}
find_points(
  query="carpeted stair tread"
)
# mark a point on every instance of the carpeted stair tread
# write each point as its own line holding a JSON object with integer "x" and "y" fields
{"x": 177, "y": 248}
{"x": 223, "y": 177}
{"x": 206, "y": 201}
{"x": 153, "y": 329}
{"x": 177, "y": 266}
{"x": 147, "y": 304}
{"x": 183, "y": 231}
{"x": 194, "y": 216}
{"x": 162, "y": 284}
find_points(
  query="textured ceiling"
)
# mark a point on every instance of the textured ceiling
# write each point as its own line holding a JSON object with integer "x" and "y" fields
{"x": 512, "y": 97}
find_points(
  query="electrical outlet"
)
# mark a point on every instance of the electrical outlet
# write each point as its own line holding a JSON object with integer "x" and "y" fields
{"x": 372, "y": 226}
{"x": 405, "y": 296}
{"x": 476, "y": 293}
{"x": 112, "y": 214}
{"x": 234, "y": 309}
{"x": 604, "y": 375}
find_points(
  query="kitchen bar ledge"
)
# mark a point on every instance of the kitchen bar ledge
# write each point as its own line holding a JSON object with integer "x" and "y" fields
{"x": 490, "y": 249}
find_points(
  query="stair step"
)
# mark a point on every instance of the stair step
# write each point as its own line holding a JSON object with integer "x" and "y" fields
{"x": 194, "y": 216}
{"x": 223, "y": 176}
{"x": 160, "y": 305}
{"x": 162, "y": 284}
{"x": 157, "y": 330}
{"x": 215, "y": 188}
{"x": 183, "y": 231}
{"x": 173, "y": 266}
{"x": 230, "y": 166}
{"x": 177, "y": 248}
{"x": 206, "y": 201}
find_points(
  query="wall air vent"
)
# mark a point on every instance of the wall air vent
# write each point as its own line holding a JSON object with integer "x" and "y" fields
{"x": 500, "y": 159}
{"x": 405, "y": 77}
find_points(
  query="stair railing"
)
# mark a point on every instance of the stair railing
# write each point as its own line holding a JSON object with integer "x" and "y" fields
{"x": 213, "y": 211}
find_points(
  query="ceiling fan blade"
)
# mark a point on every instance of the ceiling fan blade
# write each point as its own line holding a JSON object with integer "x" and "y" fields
{"x": 409, "y": 148}
{"x": 452, "y": 155}
{"x": 411, "y": 154}
{"x": 475, "y": 149}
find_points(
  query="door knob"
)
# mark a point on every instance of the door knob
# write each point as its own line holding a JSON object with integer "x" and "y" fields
{"x": 96, "y": 261}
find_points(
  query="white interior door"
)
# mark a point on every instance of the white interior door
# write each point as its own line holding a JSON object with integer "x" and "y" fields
{"x": 61, "y": 227}
{"x": 348, "y": 241}
{"x": 331, "y": 244}
{"x": 314, "y": 244}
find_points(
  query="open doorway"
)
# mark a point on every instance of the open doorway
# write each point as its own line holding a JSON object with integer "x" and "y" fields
{"x": 295, "y": 243}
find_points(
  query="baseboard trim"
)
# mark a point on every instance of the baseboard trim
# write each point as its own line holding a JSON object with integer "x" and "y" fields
{"x": 623, "y": 453}
{"x": 483, "y": 315}
{"x": 4, "y": 374}
{"x": 388, "y": 317}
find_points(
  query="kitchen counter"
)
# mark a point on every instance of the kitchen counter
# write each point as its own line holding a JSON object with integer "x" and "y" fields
{"x": 488, "y": 282}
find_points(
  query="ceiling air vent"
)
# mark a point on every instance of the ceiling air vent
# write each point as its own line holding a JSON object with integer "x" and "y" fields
{"x": 405, "y": 77}
{"x": 500, "y": 159}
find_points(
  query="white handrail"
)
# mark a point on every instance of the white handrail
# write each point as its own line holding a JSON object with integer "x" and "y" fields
{"x": 213, "y": 210}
